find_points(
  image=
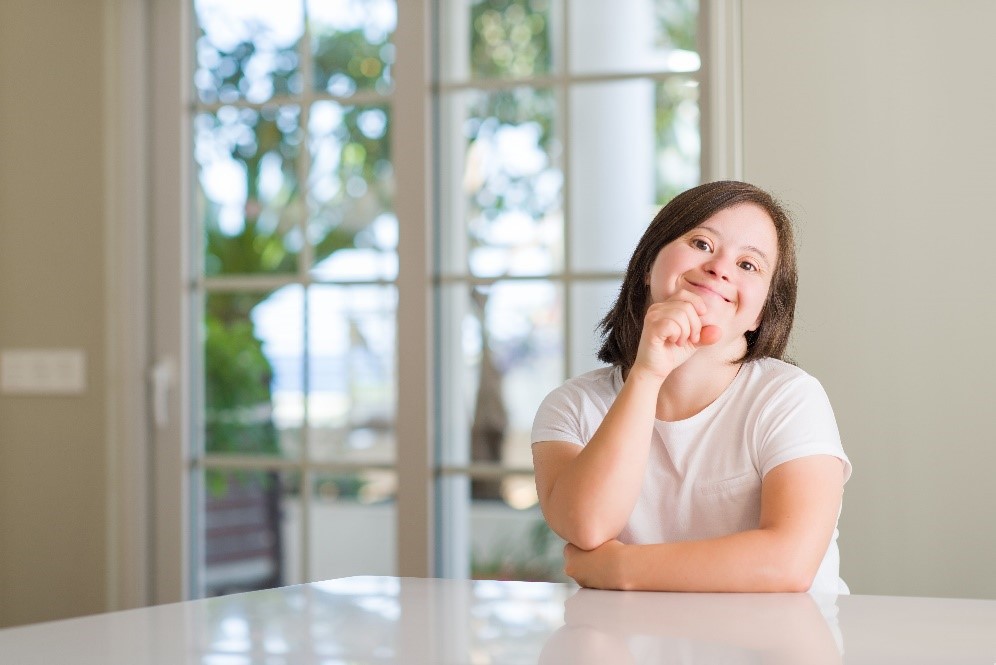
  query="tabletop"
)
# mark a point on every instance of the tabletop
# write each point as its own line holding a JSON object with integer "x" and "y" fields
{"x": 412, "y": 620}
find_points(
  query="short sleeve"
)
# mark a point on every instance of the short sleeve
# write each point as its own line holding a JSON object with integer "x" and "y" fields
{"x": 798, "y": 421}
{"x": 559, "y": 418}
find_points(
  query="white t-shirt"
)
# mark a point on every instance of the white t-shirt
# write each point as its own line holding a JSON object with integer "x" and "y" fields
{"x": 703, "y": 476}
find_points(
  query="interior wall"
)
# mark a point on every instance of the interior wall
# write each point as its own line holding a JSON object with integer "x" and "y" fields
{"x": 52, "y": 449}
{"x": 874, "y": 121}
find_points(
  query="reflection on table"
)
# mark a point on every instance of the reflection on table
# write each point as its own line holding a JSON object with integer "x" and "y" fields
{"x": 403, "y": 620}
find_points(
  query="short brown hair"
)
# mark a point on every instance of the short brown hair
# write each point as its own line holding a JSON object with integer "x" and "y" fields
{"x": 622, "y": 326}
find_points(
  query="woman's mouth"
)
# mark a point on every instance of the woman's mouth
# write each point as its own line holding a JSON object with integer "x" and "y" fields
{"x": 706, "y": 290}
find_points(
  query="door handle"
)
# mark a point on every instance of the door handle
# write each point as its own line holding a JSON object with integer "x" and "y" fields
{"x": 162, "y": 376}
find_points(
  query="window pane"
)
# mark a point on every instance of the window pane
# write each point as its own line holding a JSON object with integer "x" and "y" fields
{"x": 513, "y": 544}
{"x": 590, "y": 302}
{"x": 504, "y": 216}
{"x": 622, "y": 36}
{"x": 658, "y": 125}
{"x": 249, "y": 538}
{"x": 679, "y": 139}
{"x": 353, "y": 519}
{"x": 351, "y": 45}
{"x": 497, "y": 539}
{"x": 351, "y": 369}
{"x": 247, "y": 50}
{"x": 497, "y": 39}
{"x": 249, "y": 203}
{"x": 502, "y": 353}
{"x": 253, "y": 361}
{"x": 351, "y": 189}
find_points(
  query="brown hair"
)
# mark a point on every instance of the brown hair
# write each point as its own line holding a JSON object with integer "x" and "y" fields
{"x": 622, "y": 326}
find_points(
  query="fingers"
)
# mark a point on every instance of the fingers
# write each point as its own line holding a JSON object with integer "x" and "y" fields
{"x": 672, "y": 331}
{"x": 677, "y": 320}
{"x": 709, "y": 335}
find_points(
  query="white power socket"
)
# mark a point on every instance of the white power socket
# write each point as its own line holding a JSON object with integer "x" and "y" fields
{"x": 42, "y": 371}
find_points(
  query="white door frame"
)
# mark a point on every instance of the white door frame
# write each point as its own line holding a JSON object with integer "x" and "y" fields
{"x": 147, "y": 173}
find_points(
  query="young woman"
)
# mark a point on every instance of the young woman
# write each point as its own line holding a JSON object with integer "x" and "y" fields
{"x": 698, "y": 460}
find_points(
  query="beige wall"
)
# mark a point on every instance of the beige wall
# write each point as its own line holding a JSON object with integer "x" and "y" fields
{"x": 876, "y": 121}
{"x": 52, "y": 450}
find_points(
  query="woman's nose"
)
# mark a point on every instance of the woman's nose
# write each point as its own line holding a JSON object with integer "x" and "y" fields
{"x": 718, "y": 268}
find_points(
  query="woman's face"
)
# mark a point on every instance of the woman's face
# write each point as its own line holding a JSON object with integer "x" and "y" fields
{"x": 729, "y": 261}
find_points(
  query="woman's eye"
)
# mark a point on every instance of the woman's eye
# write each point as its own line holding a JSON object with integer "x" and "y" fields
{"x": 748, "y": 266}
{"x": 698, "y": 243}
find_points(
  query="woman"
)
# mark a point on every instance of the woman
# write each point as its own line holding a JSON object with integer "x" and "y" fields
{"x": 698, "y": 460}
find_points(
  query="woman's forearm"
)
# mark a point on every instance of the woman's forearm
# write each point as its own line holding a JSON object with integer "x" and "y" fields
{"x": 594, "y": 494}
{"x": 800, "y": 502}
{"x": 759, "y": 560}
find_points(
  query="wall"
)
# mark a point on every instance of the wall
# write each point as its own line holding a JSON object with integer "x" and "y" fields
{"x": 52, "y": 450}
{"x": 875, "y": 122}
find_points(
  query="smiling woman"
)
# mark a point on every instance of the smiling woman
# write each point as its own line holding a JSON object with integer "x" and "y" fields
{"x": 699, "y": 460}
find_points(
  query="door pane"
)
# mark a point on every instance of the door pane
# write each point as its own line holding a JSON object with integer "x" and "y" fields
{"x": 351, "y": 368}
{"x": 658, "y": 123}
{"x": 504, "y": 539}
{"x": 509, "y": 543}
{"x": 590, "y": 302}
{"x": 351, "y": 45}
{"x": 627, "y": 36}
{"x": 353, "y": 520}
{"x": 350, "y": 192}
{"x": 497, "y": 39}
{"x": 253, "y": 372}
{"x": 502, "y": 210}
{"x": 502, "y": 353}
{"x": 247, "y": 50}
{"x": 249, "y": 537}
{"x": 249, "y": 199}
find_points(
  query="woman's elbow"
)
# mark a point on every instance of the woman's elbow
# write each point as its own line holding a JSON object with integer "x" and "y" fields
{"x": 589, "y": 539}
{"x": 585, "y": 534}
{"x": 795, "y": 583}
{"x": 793, "y": 576}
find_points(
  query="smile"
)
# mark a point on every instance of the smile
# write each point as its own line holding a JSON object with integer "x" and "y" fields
{"x": 708, "y": 291}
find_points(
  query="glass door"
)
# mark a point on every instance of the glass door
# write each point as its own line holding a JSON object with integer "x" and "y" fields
{"x": 563, "y": 128}
{"x": 375, "y": 298}
{"x": 294, "y": 294}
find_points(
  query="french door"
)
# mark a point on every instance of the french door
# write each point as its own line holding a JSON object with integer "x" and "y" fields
{"x": 381, "y": 233}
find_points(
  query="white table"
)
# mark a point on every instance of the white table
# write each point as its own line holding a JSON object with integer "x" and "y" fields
{"x": 407, "y": 620}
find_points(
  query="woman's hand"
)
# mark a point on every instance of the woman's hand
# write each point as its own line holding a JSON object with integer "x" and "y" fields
{"x": 672, "y": 332}
{"x": 600, "y": 568}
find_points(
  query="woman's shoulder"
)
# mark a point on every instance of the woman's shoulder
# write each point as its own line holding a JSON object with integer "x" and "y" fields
{"x": 597, "y": 385}
{"x": 599, "y": 377}
{"x": 778, "y": 375}
{"x": 774, "y": 369}
{"x": 572, "y": 411}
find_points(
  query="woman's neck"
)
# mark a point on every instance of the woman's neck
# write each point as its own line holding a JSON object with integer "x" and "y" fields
{"x": 696, "y": 384}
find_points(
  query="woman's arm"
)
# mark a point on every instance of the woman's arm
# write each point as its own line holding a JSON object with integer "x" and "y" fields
{"x": 800, "y": 502}
{"x": 587, "y": 494}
